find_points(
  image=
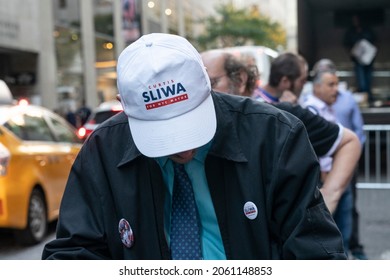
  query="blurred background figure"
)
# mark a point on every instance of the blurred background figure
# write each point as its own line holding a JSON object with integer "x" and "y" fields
{"x": 325, "y": 92}
{"x": 286, "y": 78}
{"x": 293, "y": 97}
{"x": 359, "y": 40}
{"x": 82, "y": 114}
{"x": 348, "y": 114}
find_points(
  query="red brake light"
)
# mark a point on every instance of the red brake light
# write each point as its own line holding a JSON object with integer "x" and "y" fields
{"x": 82, "y": 132}
{"x": 23, "y": 102}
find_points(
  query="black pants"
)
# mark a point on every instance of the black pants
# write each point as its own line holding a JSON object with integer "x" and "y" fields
{"x": 354, "y": 243}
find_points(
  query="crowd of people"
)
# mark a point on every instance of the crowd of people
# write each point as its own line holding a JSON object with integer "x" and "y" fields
{"x": 206, "y": 164}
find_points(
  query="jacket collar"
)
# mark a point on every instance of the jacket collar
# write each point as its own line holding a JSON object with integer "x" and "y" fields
{"x": 130, "y": 152}
{"x": 225, "y": 143}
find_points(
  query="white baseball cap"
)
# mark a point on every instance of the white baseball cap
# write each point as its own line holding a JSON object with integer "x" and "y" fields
{"x": 166, "y": 94}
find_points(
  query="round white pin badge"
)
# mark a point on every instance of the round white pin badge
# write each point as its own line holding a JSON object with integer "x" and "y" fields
{"x": 250, "y": 210}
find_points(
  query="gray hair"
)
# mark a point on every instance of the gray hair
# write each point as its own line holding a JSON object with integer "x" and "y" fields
{"x": 324, "y": 64}
{"x": 317, "y": 79}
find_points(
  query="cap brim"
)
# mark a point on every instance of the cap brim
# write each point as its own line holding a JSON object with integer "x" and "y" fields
{"x": 182, "y": 133}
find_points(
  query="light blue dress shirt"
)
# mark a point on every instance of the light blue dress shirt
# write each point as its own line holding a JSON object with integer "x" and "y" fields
{"x": 212, "y": 245}
{"x": 349, "y": 115}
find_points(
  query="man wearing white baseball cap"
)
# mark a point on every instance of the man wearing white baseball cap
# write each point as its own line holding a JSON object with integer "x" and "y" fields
{"x": 166, "y": 96}
{"x": 187, "y": 173}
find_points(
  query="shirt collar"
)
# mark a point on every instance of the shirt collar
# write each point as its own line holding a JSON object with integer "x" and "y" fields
{"x": 267, "y": 96}
{"x": 318, "y": 102}
{"x": 200, "y": 155}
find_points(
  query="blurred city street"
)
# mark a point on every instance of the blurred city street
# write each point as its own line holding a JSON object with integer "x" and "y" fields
{"x": 375, "y": 222}
{"x": 10, "y": 250}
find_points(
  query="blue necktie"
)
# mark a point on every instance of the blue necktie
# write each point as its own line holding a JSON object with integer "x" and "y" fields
{"x": 185, "y": 232}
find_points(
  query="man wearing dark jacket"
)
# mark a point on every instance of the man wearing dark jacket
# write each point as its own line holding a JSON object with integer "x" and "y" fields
{"x": 253, "y": 172}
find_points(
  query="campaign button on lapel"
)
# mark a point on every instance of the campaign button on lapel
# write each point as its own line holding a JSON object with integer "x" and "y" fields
{"x": 126, "y": 233}
{"x": 250, "y": 210}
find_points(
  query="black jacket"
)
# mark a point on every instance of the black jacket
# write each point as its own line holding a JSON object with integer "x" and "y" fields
{"x": 259, "y": 154}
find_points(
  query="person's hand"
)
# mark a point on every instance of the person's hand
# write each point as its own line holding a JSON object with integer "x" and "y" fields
{"x": 289, "y": 97}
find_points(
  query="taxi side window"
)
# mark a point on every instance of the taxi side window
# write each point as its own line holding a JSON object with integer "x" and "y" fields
{"x": 63, "y": 133}
{"x": 30, "y": 128}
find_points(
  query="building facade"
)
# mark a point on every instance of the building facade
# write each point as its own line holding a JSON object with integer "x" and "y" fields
{"x": 61, "y": 53}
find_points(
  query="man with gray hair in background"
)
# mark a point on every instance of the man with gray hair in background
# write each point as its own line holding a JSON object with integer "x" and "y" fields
{"x": 321, "y": 101}
{"x": 349, "y": 115}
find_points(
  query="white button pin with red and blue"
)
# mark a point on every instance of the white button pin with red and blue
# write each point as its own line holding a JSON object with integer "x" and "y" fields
{"x": 126, "y": 233}
{"x": 250, "y": 210}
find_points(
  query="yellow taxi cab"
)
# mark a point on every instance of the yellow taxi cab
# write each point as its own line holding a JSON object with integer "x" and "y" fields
{"x": 37, "y": 149}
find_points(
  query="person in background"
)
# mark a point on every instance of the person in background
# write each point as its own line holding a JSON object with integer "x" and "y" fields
{"x": 320, "y": 102}
{"x": 247, "y": 192}
{"x": 325, "y": 91}
{"x": 67, "y": 108}
{"x": 230, "y": 75}
{"x": 287, "y": 77}
{"x": 83, "y": 113}
{"x": 348, "y": 114}
{"x": 363, "y": 71}
{"x": 294, "y": 96}
{"x": 71, "y": 117}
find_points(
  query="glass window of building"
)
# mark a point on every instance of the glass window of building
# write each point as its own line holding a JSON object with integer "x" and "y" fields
{"x": 171, "y": 13}
{"x": 105, "y": 50}
{"x": 68, "y": 48}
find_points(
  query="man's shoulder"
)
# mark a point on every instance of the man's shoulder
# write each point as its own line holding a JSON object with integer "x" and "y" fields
{"x": 347, "y": 94}
{"x": 345, "y": 98}
{"x": 258, "y": 111}
{"x": 112, "y": 140}
{"x": 117, "y": 124}
{"x": 118, "y": 119}
{"x": 296, "y": 110}
{"x": 313, "y": 101}
{"x": 241, "y": 103}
